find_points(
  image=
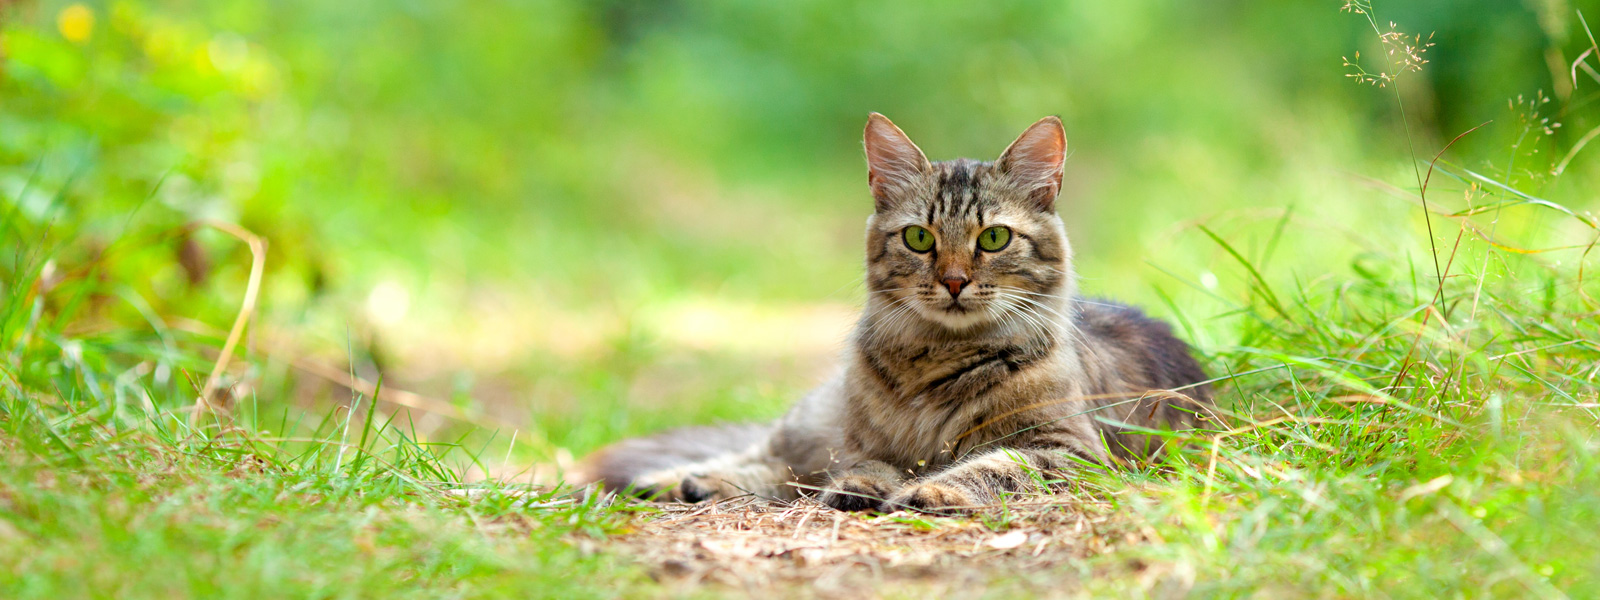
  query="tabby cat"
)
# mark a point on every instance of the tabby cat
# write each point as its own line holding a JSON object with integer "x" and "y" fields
{"x": 975, "y": 371}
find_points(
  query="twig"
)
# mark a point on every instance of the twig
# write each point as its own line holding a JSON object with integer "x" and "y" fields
{"x": 258, "y": 263}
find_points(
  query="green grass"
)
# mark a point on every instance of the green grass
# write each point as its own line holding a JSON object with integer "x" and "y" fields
{"x": 107, "y": 491}
{"x": 1413, "y": 396}
{"x": 1373, "y": 456}
{"x": 168, "y": 520}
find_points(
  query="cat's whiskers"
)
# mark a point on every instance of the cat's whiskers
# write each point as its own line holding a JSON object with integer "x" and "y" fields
{"x": 1061, "y": 321}
{"x": 997, "y": 310}
{"x": 1023, "y": 293}
{"x": 876, "y": 317}
{"x": 1083, "y": 301}
{"x": 1066, "y": 322}
{"x": 1040, "y": 307}
{"x": 1004, "y": 313}
{"x": 884, "y": 323}
{"x": 1017, "y": 290}
{"x": 1031, "y": 327}
{"x": 899, "y": 317}
{"x": 1014, "y": 294}
{"x": 1038, "y": 322}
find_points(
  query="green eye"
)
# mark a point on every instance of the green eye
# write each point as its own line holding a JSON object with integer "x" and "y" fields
{"x": 994, "y": 239}
{"x": 918, "y": 239}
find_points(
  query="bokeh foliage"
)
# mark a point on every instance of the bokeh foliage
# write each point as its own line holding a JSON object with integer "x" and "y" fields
{"x": 588, "y": 163}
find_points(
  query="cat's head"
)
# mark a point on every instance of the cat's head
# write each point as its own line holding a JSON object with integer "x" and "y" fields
{"x": 963, "y": 244}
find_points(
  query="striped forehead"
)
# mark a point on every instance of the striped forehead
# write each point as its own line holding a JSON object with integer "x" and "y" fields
{"x": 958, "y": 198}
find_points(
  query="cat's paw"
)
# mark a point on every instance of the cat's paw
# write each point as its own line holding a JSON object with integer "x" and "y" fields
{"x": 932, "y": 497}
{"x": 660, "y": 486}
{"x": 677, "y": 486}
{"x": 856, "y": 493}
{"x": 697, "y": 488}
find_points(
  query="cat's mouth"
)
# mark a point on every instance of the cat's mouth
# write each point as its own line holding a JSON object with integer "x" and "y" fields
{"x": 955, "y": 306}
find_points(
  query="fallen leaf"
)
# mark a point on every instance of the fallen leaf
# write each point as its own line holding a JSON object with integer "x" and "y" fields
{"x": 1008, "y": 541}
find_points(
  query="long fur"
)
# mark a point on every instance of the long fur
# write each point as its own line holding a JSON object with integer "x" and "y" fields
{"x": 971, "y": 372}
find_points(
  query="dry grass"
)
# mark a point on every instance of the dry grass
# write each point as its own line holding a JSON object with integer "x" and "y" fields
{"x": 804, "y": 548}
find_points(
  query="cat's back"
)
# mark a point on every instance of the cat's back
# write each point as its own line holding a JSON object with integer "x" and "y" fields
{"x": 1125, "y": 351}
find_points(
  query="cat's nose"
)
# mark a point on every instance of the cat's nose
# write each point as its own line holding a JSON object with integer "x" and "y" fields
{"x": 955, "y": 285}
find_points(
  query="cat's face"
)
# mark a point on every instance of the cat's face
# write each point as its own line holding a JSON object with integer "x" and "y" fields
{"x": 965, "y": 243}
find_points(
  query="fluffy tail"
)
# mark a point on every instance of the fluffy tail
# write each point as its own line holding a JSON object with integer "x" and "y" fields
{"x": 620, "y": 465}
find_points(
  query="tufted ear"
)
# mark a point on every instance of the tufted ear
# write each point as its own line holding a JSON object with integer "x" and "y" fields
{"x": 893, "y": 163}
{"x": 1035, "y": 161}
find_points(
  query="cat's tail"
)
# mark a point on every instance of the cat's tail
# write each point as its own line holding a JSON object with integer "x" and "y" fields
{"x": 620, "y": 466}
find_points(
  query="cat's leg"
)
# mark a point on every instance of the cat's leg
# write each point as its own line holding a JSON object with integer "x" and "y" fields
{"x": 798, "y": 451}
{"x": 864, "y": 486}
{"x": 753, "y": 471}
{"x": 981, "y": 480}
{"x": 757, "y": 473}
{"x": 802, "y": 449}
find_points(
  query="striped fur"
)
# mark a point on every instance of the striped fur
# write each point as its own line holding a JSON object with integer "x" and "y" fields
{"x": 971, "y": 374}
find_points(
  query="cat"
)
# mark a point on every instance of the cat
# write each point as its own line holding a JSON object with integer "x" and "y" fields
{"x": 974, "y": 372}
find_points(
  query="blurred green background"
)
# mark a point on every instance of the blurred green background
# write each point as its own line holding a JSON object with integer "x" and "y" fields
{"x": 582, "y": 220}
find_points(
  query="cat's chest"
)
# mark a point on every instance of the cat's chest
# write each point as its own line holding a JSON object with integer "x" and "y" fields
{"x": 919, "y": 406}
{"x": 923, "y": 378}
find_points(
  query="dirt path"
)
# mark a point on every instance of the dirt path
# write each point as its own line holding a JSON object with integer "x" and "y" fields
{"x": 806, "y": 549}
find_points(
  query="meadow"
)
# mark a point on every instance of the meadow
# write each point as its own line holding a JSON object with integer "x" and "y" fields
{"x": 315, "y": 299}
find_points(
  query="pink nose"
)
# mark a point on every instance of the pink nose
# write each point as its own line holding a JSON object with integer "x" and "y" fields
{"x": 955, "y": 285}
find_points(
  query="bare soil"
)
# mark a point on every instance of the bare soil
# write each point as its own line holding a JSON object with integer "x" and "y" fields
{"x": 805, "y": 549}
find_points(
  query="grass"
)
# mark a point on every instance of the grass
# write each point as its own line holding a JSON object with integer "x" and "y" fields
{"x": 1409, "y": 369}
{"x": 107, "y": 490}
{"x": 204, "y": 524}
{"x": 1374, "y": 456}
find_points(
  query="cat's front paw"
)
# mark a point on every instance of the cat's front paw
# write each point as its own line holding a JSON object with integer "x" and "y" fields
{"x": 660, "y": 486}
{"x": 856, "y": 493}
{"x": 677, "y": 486}
{"x": 932, "y": 497}
{"x": 696, "y": 488}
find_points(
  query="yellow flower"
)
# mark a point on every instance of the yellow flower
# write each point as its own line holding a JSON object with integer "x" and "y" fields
{"x": 76, "y": 23}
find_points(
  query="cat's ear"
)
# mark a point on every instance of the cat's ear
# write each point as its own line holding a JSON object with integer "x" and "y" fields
{"x": 894, "y": 164}
{"x": 1035, "y": 161}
